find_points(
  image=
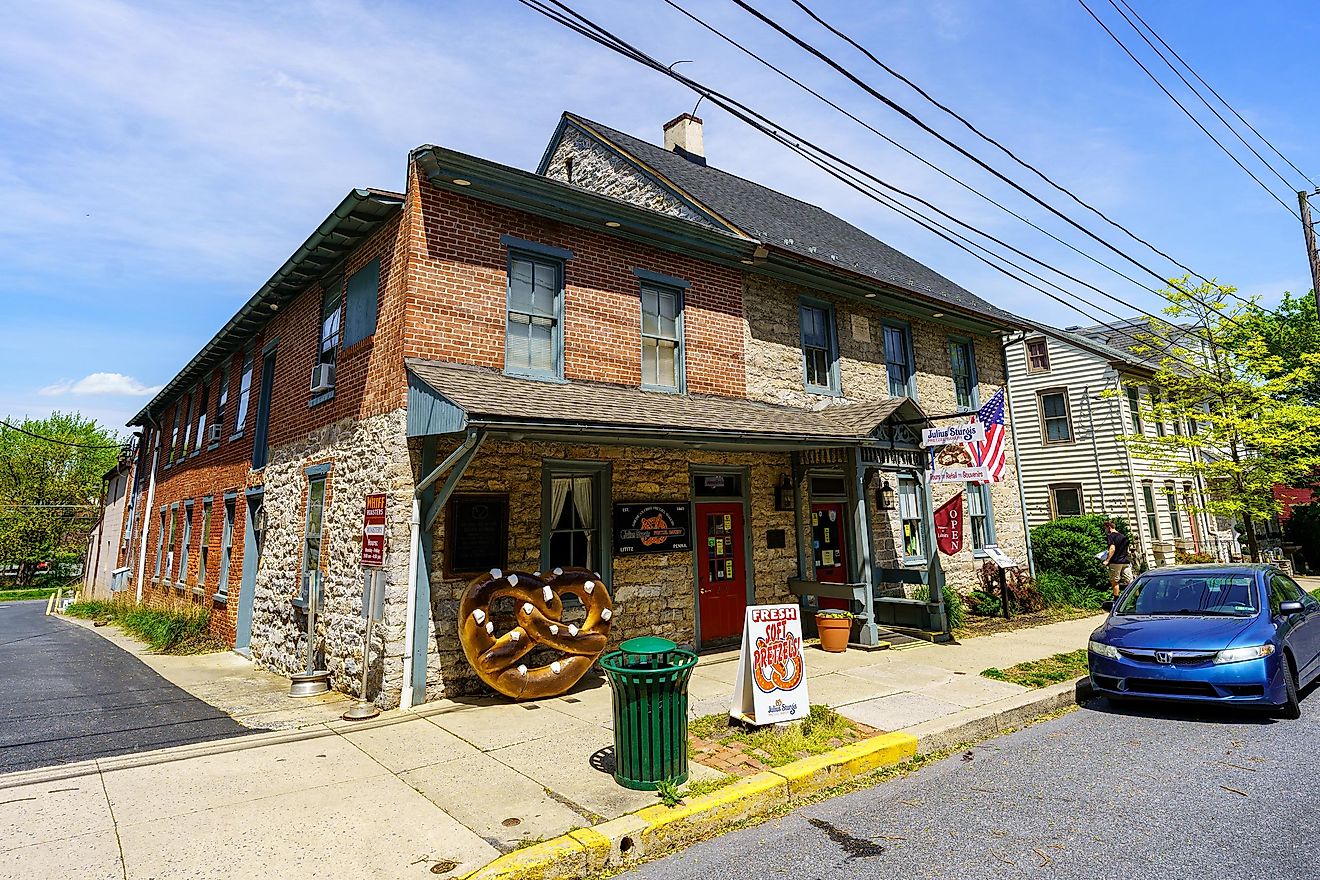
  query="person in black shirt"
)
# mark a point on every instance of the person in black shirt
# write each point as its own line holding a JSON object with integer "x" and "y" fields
{"x": 1118, "y": 559}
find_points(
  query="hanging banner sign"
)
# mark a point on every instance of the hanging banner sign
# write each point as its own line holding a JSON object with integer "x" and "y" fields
{"x": 373, "y": 532}
{"x": 963, "y": 432}
{"x": 949, "y": 525}
{"x": 652, "y": 528}
{"x": 954, "y": 463}
{"x": 771, "y": 684}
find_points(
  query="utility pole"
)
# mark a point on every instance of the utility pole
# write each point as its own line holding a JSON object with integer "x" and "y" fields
{"x": 1308, "y": 230}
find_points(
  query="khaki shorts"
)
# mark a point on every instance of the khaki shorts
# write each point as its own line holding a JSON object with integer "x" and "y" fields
{"x": 1120, "y": 574}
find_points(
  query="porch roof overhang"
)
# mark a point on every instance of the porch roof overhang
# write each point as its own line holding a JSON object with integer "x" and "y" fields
{"x": 451, "y": 399}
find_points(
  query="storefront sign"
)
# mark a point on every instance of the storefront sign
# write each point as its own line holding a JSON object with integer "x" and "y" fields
{"x": 652, "y": 528}
{"x": 771, "y": 684}
{"x": 949, "y": 525}
{"x": 955, "y": 463}
{"x": 964, "y": 432}
{"x": 373, "y": 532}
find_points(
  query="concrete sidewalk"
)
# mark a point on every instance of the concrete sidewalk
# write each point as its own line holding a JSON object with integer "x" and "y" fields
{"x": 438, "y": 791}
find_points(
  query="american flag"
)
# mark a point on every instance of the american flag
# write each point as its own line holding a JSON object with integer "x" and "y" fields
{"x": 990, "y": 453}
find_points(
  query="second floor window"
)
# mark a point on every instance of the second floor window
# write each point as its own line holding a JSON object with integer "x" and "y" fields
{"x": 1134, "y": 407}
{"x": 898, "y": 360}
{"x": 244, "y": 392}
{"x": 173, "y": 452}
{"x": 662, "y": 356}
{"x": 330, "y": 324}
{"x": 1038, "y": 355}
{"x": 221, "y": 401}
{"x": 816, "y": 322}
{"x": 964, "y": 380}
{"x": 533, "y": 334}
{"x": 204, "y": 398}
{"x": 188, "y": 425}
{"x": 1056, "y": 426}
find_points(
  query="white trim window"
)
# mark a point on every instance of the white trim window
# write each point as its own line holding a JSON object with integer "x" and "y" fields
{"x": 913, "y": 533}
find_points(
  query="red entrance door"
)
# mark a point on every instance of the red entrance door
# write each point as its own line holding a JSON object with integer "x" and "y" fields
{"x": 721, "y": 570}
{"x": 828, "y": 548}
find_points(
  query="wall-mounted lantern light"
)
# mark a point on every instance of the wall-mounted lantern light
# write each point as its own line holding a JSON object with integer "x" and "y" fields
{"x": 884, "y": 496}
{"x": 784, "y": 494}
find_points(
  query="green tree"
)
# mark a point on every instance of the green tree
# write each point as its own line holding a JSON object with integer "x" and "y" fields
{"x": 49, "y": 488}
{"x": 1236, "y": 382}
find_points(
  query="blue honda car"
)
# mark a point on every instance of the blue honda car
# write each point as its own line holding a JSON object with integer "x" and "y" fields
{"x": 1235, "y": 635}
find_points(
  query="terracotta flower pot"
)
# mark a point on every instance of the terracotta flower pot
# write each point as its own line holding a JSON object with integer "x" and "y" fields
{"x": 834, "y": 633}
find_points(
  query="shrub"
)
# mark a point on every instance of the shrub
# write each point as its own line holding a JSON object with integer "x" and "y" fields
{"x": 1062, "y": 591}
{"x": 1182, "y": 557}
{"x": 984, "y": 604}
{"x": 954, "y": 608}
{"x": 1067, "y": 547}
{"x": 182, "y": 628}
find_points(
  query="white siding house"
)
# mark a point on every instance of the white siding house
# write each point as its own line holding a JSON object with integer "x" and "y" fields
{"x": 1074, "y": 399}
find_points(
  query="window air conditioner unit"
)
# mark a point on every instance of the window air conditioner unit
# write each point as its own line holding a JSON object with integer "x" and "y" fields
{"x": 323, "y": 377}
{"x": 213, "y": 434}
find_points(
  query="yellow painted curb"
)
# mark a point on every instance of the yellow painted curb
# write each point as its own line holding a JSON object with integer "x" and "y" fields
{"x": 700, "y": 817}
{"x": 819, "y": 772}
{"x": 563, "y": 856}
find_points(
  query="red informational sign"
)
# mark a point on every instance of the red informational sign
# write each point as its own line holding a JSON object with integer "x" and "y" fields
{"x": 373, "y": 532}
{"x": 949, "y": 525}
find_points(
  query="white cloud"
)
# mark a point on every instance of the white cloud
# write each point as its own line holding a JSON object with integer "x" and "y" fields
{"x": 100, "y": 383}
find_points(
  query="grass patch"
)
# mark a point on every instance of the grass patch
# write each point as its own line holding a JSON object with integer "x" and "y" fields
{"x": 706, "y": 786}
{"x": 181, "y": 628}
{"x": 821, "y": 731}
{"x": 28, "y": 593}
{"x": 1039, "y": 673}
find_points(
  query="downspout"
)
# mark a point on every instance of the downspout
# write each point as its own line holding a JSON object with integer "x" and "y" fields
{"x": 146, "y": 508}
{"x": 409, "y": 628}
{"x": 1017, "y": 456}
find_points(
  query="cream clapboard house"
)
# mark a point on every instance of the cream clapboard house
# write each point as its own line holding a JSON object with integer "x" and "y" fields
{"x": 1075, "y": 396}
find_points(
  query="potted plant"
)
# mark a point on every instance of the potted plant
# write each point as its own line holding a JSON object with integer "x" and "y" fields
{"x": 834, "y": 627}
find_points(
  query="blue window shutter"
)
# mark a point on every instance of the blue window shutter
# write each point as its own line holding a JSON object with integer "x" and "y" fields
{"x": 363, "y": 296}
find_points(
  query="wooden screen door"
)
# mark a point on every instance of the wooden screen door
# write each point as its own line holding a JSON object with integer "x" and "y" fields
{"x": 828, "y": 548}
{"x": 721, "y": 570}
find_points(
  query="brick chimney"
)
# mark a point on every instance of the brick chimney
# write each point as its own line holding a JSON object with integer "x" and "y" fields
{"x": 683, "y": 136}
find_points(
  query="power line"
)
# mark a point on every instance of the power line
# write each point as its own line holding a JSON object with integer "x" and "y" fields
{"x": 1231, "y": 108}
{"x": 1194, "y": 91}
{"x": 61, "y": 442}
{"x": 1180, "y": 105}
{"x": 604, "y": 37}
{"x": 824, "y": 57}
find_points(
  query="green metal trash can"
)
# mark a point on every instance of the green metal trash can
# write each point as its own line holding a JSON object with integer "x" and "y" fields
{"x": 649, "y": 676}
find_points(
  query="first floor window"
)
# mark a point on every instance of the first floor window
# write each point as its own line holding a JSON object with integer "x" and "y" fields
{"x": 226, "y": 548}
{"x": 662, "y": 362}
{"x": 1175, "y": 519}
{"x": 169, "y": 544}
{"x": 1152, "y": 522}
{"x": 909, "y": 509}
{"x": 187, "y": 539}
{"x": 477, "y": 533}
{"x": 980, "y": 515}
{"x": 573, "y": 520}
{"x": 160, "y": 543}
{"x": 203, "y": 548}
{"x": 312, "y": 536}
{"x": 1055, "y": 422}
{"x": 1066, "y": 501}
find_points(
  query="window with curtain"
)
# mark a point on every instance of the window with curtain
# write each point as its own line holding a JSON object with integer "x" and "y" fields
{"x": 662, "y": 355}
{"x": 330, "y": 324}
{"x": 574, "y": 527}
{"x": 533, "y": 336}
{"x": 898, "y": 360}
{"x": 964, "y": 381}
{"x": 816, "y": 323}
{"x": 909, "y": 511}
{"x": 1055, "y": 423}
{"x": 244, "y": 393}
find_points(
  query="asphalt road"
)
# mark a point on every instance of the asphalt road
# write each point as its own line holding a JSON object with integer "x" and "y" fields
{"x": 1101, "y": 792}
{"x": 67, "y": 695}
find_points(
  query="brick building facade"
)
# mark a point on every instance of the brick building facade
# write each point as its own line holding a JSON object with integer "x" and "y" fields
{"x": 520, "y": 362}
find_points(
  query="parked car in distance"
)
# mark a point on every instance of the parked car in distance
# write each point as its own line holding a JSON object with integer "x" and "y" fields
{"x": 1230, "y": 634}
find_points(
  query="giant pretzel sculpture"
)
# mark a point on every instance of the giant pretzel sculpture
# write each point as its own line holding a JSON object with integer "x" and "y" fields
{"x": 539, "y": 624}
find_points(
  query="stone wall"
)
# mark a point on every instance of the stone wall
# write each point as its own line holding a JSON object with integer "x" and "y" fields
{"x": 365, "y": 456}
{"x": 654, "y": 594}
{"x": 774, "y": 374}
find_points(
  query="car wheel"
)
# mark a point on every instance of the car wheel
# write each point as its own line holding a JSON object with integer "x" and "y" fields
{"x": 1292, "y": 708}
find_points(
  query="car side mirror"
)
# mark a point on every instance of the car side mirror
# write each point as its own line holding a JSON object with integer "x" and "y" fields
{"x": 1107, "y": 605}
{"x": 1287, "y": 608}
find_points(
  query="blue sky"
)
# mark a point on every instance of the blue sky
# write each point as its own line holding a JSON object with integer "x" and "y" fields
{"x": 158, "y": 161}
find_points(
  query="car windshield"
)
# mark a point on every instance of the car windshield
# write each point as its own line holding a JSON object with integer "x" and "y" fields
{"x": 1191, "y": 593}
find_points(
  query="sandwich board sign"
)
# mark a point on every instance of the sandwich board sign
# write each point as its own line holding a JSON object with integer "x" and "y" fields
{"x": 771, "y": 684}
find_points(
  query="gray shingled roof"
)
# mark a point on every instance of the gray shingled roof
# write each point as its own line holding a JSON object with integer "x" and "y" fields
{"x": 794, "y": 225}
{"x": 490, "y": 397}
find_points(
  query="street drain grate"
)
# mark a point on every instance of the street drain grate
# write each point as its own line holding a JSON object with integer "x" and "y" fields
{"x": 511, "y": 822}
